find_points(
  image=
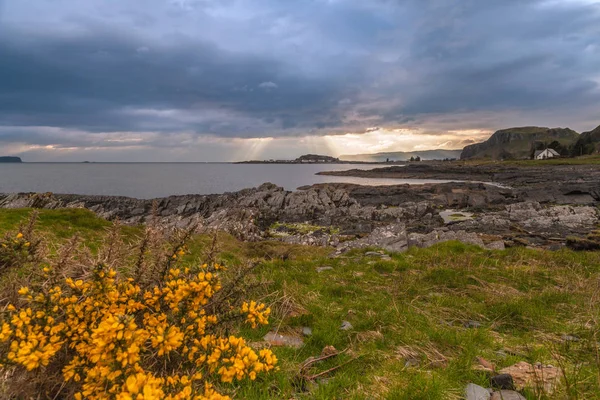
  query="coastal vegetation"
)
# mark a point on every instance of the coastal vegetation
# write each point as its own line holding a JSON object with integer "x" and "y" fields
{"x": 123, "y": 326}
{"x": 365, "y": 324}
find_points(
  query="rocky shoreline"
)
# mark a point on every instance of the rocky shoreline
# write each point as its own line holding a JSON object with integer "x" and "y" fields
{"x": 537, "y": 210}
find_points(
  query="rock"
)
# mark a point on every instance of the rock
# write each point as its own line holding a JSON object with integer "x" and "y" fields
{"x": 496, "y": 245}
{"x": 484, "y": 365}
{"x": 438, "y": 236}
{"x": 452, "y": 216}
{"x": 503, "y": 381}
{"x": 476, "y": 392}
{"x": 276, "y": 339}
{"x": 507, "y": 395}
{"x": 391, "y": 238}
{"x": 527, "y": 375}
{"x": 325, "y": 268}
{"x": 412, "y": 362}
{"x": 306, "y": 331}
{"x": 501, "y": 353}
{"x": 472, "y": 324}
{"x": 570, "y": 338}
{"x": 543, "y": 208}
{"x": 346, "y": 326}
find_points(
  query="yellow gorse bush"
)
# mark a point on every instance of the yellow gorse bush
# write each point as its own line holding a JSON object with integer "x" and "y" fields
{"x": 15, "y": 250}
{"x": 114, "y": 338}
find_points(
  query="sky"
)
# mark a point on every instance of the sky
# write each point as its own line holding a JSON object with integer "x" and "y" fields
{"x": 229, "y": 80}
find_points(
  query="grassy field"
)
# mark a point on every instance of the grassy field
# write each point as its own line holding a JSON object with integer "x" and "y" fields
{"x": 419, "y": 321}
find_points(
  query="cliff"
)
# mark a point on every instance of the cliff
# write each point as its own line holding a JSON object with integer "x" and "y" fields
{"x": 588, "y": 143}
{"x": 517, "y": 143}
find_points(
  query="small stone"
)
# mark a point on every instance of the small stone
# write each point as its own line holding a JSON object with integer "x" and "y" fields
{"x": 328, "y": 350}
{"x": 306, "y": 331}
{"x": 476, "y": 392}
{"x": 501, "y": 354}
{"x": 276, "y": 339}
{"x": 374, "y": 254}
{"x": 484, "y": 365}
{"x": 325, "y": 268}
{"x": 472, "y": 324}
{"x": 346, "y": 326}
{"x": 412, "y": 362}
{"x": 570, "y": 338}
{"x": 507, "y": 395}
{"x": 503, "y": 381}
{"x": 496, "y": 245}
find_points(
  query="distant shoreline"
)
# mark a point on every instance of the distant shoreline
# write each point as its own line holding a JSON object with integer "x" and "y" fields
{"x": 322, "y": 163}
{"x": 212, "y": 162}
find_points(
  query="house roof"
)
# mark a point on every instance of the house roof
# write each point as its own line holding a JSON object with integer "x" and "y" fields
{"x": 549, "y": 150}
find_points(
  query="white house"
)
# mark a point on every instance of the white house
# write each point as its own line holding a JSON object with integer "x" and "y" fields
{"x": 546, "y": 153}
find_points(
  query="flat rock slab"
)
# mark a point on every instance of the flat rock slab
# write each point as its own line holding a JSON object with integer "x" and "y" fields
{"x": 276, "y": 339}
{"x": 450, "y": 216}
{"x": 392, "y": 238}
{"x": 528, "y": 375}
{"x": 476, "y": 392}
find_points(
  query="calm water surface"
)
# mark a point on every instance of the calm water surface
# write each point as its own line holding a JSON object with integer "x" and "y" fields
{"x": 150, "y": 180}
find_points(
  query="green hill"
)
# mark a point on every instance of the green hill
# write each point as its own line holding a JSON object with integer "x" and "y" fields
{"x": 517, "y": 143}
{"x": 588, "y": 143}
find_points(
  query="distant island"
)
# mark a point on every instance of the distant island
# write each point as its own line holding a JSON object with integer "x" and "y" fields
{"x": 10, "y": 160}
{"x": 390, "y": 156}
{"x": 305, "y": 159}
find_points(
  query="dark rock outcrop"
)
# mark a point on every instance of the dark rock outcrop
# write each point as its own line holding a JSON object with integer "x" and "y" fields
{"x": 393, "y": 217}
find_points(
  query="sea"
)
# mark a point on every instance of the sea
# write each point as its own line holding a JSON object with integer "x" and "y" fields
{"x": 153, "y": 180}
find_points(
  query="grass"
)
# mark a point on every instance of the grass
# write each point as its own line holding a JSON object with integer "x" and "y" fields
{"x": 583, "y": 160}
{"x": 409, "y": 339}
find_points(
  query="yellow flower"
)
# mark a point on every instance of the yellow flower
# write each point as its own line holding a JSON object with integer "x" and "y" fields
{"x": 118, "y": 335}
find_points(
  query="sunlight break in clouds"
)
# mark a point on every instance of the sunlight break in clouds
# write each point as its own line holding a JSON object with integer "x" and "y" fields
{"x": 383, "y": 140}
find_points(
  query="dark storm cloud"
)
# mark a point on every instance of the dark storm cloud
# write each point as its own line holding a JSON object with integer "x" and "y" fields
{"x": 271, "y": 68}
{"x": 94, "y": 82}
